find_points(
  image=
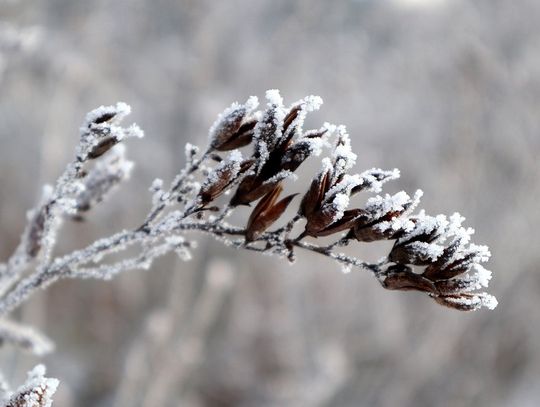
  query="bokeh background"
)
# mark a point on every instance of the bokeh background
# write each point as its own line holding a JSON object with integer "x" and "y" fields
{"x": 448, "y": 91}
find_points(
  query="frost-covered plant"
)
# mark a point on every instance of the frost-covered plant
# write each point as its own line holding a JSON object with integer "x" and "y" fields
{"x": 430, "y": 254}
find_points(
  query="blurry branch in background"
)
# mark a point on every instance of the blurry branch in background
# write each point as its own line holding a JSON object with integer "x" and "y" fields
{"x": 151, "y": 376}
{"x": 25, "y": 337}
{"x": 14, "y": 39}
{"x": 449, "y": 269}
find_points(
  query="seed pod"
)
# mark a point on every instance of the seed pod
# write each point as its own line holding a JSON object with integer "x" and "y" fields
{"x": 401, "y": 277}
{"x": 266, "y": 213}
{"x": 411, "y": 253}
{"x": 221, "y": 179}
{"x": 348, "y": 220}
{"x": 229, "y": 130}
{"x": 314, "y": 197}
{"x": 296, "y": 155}
{"x": 241, "y": 138}
{"x": 102, "y": 147}
{"x": 254, "y": 187}
{"x": 461, "y": 302}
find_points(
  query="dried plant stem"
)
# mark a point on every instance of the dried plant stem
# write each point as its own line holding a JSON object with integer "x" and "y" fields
{"x": 430, "y": 254}
{"x": 69, "y": 266}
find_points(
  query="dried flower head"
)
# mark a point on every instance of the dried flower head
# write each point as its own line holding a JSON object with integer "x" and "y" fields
{"x": 430, "y": 254}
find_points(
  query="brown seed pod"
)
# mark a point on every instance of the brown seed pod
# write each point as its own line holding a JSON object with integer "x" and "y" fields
{"x": 102, "y": 147}
{"x": 403, "y": 278}
{"x": 266, "y": 213}
{"x": 221, "y": 180}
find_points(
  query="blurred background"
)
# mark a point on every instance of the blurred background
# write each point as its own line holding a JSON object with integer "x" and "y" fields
{"x": 448, "y": 91}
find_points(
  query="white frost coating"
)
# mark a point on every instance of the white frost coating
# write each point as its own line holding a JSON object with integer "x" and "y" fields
{"x": 343, "y": 155}
{"x": 235, "y": 107}
{"x": 235, "y": 156}
{"x": 426, "y": 224}
{"x": 233, "y": 113}
{"x": 190, "y": 150}
{"x": 313, "y": 103}
{"x": 280, "y": 176}
{"x": 316, "y": 145}
{"x": 36, "y": 392}
{"x": 108, "y": 172}
{"x": 476, "y": 301}
{"x": 340, "y": 204}
{"x": 483, "y": 275}
{"x": 346, "y": 268}
{"x": 93, "y": 133}
{"x": 396, "y": 224}
{"x": 120, "y": 110}
{"x": 132, "y": 131}
{"x": 252, "y": 103}
{"x": 482, "y": 253}
{"x": 379, "y": 206}
{"x": 326, "y": 165}
{"x": 157, "y": 185}
{"x": 344, "y": 187}
{"x": 415, "y": 201}
{"x": 230, "y": 165}
{"x": 371, "y": 178}
{"x": 274, "y": 97}
{"x": 489, "y": 301}
{"x": 175, "y": 240}
{"x": 425, "y": 250}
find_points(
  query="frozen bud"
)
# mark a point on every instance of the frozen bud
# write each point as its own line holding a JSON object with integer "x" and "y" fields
{"x": 467, "y": 301}
{"x": 373, "y": 180}
{"x": 314, "y": 197}
{"x": 400, "y": 277}
{"x": 103, "y": 178}
{"x": 346, "y": 222}
{"x": 417, "y": 253}
{"x": 233, "y": 128}
{"x": 269, "y": 128}
{"x": 101, "y": 130}
{"x": 457, "y": 259}
{"x": 253, "y": 187}
{"x": 298, "y": 152}
{"x": 222, "y": 177}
